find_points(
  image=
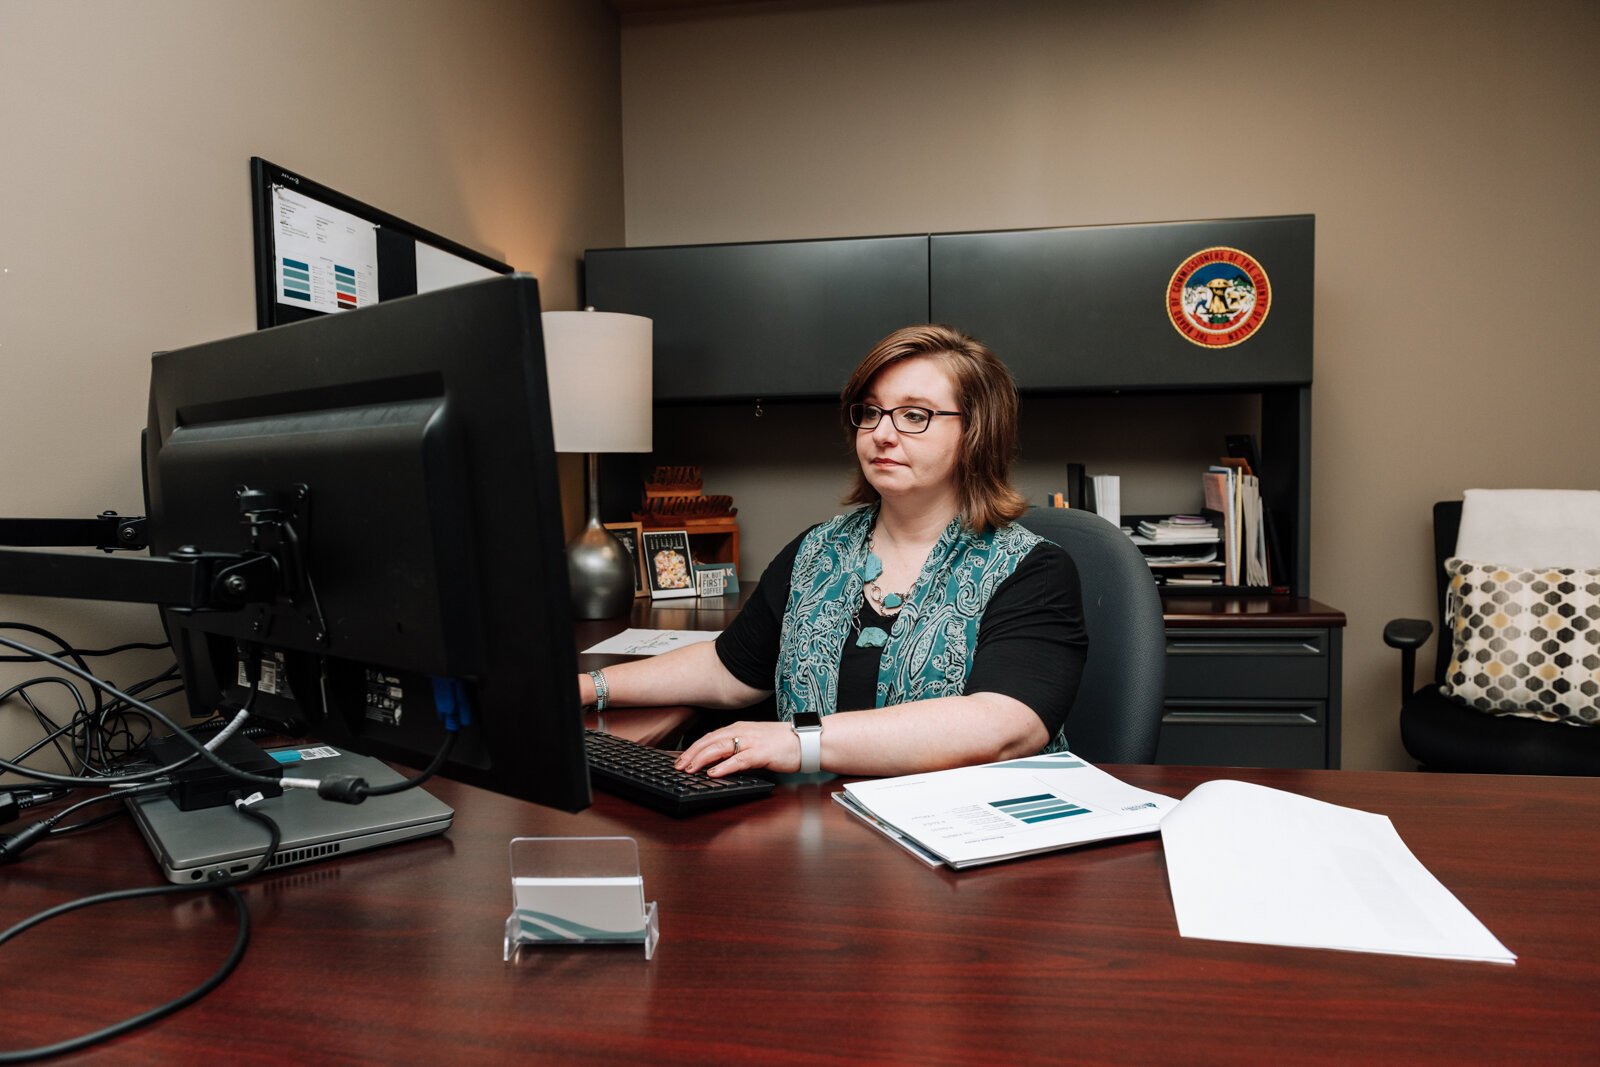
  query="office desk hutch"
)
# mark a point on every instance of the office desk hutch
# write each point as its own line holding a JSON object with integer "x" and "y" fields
{"x": 1075, "y": 311}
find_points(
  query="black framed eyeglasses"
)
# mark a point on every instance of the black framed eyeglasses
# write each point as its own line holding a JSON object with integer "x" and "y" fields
{"x": 907, "y": 418}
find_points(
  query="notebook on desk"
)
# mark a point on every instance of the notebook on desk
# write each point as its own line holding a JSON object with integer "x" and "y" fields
{"x": 191, "y": 846}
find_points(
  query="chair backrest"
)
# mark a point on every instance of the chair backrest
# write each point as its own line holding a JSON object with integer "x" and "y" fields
{"x": 1446, "y": 525}
{"x": 1116, "y": 717}
{"x": 1447, "y": 519}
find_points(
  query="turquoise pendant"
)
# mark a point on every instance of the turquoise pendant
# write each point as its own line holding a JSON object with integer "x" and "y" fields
{"x": 871, "y": 568}
{"x": 872, "y": 637}
{"x": 892, "y": 600}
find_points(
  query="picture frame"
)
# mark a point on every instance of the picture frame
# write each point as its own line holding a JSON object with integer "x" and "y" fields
{"x": 669, "y": 567}
{"x": 630, "y": 533}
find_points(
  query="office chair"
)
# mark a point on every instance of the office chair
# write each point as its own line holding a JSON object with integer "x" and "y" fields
{"x": 1116, "y": 717}
{"x": 1444, "y": 735}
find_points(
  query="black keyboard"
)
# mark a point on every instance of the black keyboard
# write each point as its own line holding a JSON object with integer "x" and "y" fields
{"x": 647, "y": 776}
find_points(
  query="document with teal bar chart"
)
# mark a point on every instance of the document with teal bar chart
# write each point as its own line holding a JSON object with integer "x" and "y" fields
{"x": 1000, "y": 811}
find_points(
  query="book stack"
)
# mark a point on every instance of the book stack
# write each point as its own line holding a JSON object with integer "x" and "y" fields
{"x": 1233, "y": 501}
{"x": 1099, "y": 493}
{"x": 1181, "y": 550}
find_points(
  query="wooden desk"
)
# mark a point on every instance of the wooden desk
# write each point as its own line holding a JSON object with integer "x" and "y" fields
{"x": 792, "y": 934}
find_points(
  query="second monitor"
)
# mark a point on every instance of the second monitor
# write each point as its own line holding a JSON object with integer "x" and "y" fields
{"x": 396, "y": 463}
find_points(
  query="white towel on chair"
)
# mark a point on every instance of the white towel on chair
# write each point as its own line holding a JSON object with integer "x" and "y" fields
{"x": 1531, "y": 527}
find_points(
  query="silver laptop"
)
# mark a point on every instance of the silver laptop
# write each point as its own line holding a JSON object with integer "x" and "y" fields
{"x": 191, "y": 846}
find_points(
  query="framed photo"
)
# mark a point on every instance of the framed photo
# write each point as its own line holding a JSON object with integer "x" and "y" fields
{"x": 629, "y": 533}
{"x": 669, "y": 568}
{"x": 716, "y": 579}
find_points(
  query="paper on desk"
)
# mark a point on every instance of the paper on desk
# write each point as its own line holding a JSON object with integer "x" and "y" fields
{"x": 1248, "y": 863}
{"x": 633, "y": 642}
{"x": 1001, "y": 811}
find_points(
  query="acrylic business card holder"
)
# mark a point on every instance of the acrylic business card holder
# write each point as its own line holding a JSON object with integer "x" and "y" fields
{"x": 578, "y": 891}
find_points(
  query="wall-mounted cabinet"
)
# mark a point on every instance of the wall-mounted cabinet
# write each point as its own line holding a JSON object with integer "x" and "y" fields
{"x": 777, "y": 320}
{"x": 1085, "y": 308}
{"x": 1073, "y": 309}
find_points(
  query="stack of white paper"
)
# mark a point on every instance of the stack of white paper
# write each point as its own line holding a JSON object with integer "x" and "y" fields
{"x": 1248, "y": 863}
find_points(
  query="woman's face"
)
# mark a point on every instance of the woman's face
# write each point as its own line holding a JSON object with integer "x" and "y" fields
{"x": 901, "y": 465}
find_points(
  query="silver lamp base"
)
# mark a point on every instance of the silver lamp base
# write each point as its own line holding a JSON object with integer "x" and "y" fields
{"x": 600, "y": 572}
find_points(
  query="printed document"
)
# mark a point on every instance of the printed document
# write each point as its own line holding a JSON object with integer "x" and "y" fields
{"x": 1253, "y": 864}
{"x": 637, "y": 642}
{"x": 1000, "y": 811}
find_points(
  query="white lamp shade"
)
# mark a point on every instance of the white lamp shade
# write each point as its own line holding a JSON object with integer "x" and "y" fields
{"x": 599, "y": 369}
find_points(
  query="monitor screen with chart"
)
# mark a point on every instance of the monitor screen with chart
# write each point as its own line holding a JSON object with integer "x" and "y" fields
{"x": 319, "y": 251}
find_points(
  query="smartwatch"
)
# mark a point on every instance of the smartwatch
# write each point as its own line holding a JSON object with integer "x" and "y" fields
{"x": 807, "y": 726}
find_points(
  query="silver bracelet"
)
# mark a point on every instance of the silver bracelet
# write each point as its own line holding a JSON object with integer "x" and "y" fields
{"x": 602, "y": 691}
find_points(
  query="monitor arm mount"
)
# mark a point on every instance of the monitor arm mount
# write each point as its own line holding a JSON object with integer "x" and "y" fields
{"x": 186, "y": 579}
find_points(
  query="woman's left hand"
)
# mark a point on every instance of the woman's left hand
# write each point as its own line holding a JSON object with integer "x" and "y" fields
{"x": 744, "y": 746}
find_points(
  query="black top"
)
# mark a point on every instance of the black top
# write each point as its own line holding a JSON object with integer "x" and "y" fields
{"x": 1031, "y": 640}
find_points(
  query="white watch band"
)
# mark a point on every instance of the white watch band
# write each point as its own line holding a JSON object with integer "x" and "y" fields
{"x": 810, "y": 749}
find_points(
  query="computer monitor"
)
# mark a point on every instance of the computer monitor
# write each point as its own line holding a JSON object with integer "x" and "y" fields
{"x": 407, "y": 448}
{"x": 319, "y": 251}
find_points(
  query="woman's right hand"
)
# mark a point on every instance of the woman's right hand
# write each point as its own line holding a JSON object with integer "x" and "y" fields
{"x": 744, "y": 746}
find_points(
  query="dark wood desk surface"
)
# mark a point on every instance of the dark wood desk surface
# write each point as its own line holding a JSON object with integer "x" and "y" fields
{"x": 1236, "y": 612}
{"x": 792, "y": 934}
{"x": 1186, "y": 611}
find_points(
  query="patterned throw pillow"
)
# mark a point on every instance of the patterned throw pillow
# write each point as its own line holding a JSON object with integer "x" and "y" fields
{"x": 1527, "y": 642}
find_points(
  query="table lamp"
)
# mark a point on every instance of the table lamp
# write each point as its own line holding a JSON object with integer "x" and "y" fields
{"x": 600, "y": 401}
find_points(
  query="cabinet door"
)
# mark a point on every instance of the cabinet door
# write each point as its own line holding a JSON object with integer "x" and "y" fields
{"x": 1086, "y": 307}
{"x": 786, "y": 319}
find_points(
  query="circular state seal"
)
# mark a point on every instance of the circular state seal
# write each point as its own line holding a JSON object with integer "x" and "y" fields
{"x": 1218, "y": 297}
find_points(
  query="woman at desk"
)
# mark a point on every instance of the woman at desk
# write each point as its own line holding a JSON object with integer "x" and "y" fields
{"x": 948, "y": 634}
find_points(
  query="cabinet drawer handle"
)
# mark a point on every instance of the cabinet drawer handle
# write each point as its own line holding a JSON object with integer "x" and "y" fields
{"x": 1238, "y": 718}
{"x": 1266, "y": 646}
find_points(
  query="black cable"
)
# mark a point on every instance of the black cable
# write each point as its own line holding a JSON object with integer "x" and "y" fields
{"x": 50, "y": 726}
{"x": 66, "y": 649}
{"x": 347, "y": 789}
{"x": 178, "y": 731}
{"x": 100, "y": 799}
{"x": 110, "y": 737}
{"x": 14, "y": 801}
{"x": 90, "y": 653}
{"x": 427, "y": 772}
{"x": 95, "y": 745}
{"x": 12, "y": 846}
{"x": 54, "y": 732}
{"x": 96, "y": 741}
{"x": 56, "y": 830}
{"x": 224, "y": 884}
{"x": 87, "y": 824}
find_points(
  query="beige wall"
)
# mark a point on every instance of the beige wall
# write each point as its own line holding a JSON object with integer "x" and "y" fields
{"x": 125, "y": 135}
{"x": 1448, "y": 150}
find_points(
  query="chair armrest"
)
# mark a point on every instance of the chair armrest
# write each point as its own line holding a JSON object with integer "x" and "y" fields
{"x": 1407, "y": 635}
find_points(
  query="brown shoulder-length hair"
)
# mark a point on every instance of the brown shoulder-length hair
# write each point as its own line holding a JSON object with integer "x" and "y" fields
{"x": 986, "y": 395}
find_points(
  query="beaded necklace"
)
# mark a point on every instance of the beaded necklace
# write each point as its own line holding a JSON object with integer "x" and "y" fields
{"x": 872, "y": 594}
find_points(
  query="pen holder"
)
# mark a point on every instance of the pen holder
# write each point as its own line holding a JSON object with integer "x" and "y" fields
{"x": 578, "y": 891}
